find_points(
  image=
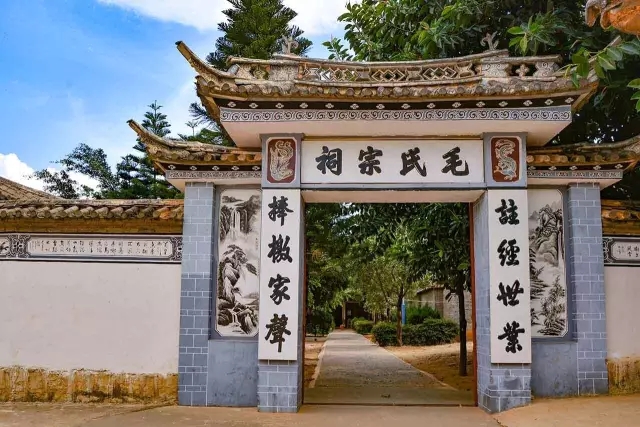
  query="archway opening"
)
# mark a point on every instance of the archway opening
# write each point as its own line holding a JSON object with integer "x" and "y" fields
{"x": 383, "y": 286}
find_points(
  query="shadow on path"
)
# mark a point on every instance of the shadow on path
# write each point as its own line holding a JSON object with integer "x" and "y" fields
{"x": 354, "y": 371}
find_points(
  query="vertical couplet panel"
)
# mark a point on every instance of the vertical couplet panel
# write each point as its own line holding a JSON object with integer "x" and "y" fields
{"x": 509, "y": 297}
{"x": 280, "y": 278}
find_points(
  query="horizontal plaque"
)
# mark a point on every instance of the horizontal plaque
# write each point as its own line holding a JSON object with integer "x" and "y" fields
{"x": 93, "y": 248}
{"x": 438, "y": 163}
{"x": 622, "y": 251}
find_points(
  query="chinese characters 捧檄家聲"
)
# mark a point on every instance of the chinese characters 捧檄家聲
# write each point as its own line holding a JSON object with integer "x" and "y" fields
{"x": 278, "y": 284}
{"x": 279, "y": 209}
{"x": 279, "y": 249}
{"x": 276, "y": 330}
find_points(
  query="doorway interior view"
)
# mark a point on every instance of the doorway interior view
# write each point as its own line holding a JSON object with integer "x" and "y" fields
{"x": 367, "y": 275}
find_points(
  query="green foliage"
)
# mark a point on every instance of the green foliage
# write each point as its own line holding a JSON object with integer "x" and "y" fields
{"x": 362, "y": 326}
{"x": 431, "y": 332}
{"x": 253, "y": 29}
{"x": 319, "y": 323}
{"x": 138, "y": 177}
{"x": 84, "y": 160}
{"x": 539, "y": 31}
{"x": 384, "y": 282}
{"x": 328, "y": 268}
{"x": 134, "y": 176}
{"x": 417, "y": 315}
{"x": 385, "y": 334}
{"x": 418, "y": 29}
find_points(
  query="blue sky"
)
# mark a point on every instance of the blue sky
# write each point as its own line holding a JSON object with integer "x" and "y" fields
{"x": 75, "y": 71}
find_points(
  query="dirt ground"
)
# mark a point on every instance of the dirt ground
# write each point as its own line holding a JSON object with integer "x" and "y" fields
{"x": 441, "y": 361}
{"x": 59, "y": 415}
{"x": 601, "y": 411}
{"x": 312, "y": 348}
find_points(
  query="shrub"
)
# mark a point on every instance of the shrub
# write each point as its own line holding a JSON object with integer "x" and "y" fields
{"x": 431, "y": 332}
{"x": 417, "y": 315}
{"x": 319, "y": 323}
{"x": 362, "y": 326}
{"x": 385, "y": 334}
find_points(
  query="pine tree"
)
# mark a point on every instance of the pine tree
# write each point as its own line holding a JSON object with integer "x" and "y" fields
{"x": 139, "y": 179}
{"x": 254, "y": 29}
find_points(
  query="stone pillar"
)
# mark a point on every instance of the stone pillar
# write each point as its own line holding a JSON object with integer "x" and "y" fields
{"x": 500, "y": 386}
{"x": 280, "y": 371}
{"x": 195, "y": 296}
{"x": 586, "y": 272}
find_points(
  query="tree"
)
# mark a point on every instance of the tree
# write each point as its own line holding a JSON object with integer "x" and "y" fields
{"x": 86, "y": 161}
{"x": 134, "y": 177}
{"x": 385, "y": 283}
{"x": 415, "y": 29}
{"x": 327, "y": 266}
{"x": 139, "y": 178}
{"x": 253, "y": 29}
{"x": 445, "y": 255}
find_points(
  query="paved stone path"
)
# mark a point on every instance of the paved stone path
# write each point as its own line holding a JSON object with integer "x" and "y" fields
{"x": 355, "y": 371}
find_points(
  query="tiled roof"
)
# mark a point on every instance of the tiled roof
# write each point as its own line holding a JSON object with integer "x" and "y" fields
{"x": 615, "y": 210}
{"x": 488, "y": 75}
{"x": 10, "y": 190}
{"x": 625, "y": 152}
{"x": 93, "y": 209}
{"x": 166, "y": 151}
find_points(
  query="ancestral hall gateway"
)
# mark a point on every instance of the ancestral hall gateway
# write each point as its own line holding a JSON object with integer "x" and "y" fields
{"x": 473, "y": 129}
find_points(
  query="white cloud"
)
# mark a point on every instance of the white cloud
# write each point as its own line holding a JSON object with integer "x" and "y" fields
{"x": 318, "y": 17}
{"x": 315, "y": 17}
{"x": 201, "y": 14}
{"x": 11, "y": 167}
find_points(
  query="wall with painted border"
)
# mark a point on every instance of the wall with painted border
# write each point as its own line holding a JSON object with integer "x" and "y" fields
{"x": 76, "y": 330}
{"x": 622, "y": 266}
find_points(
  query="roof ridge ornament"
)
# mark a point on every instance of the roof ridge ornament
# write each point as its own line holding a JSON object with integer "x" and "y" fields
{"x": 488, "y": 41}
{"x": 288, "y": 44}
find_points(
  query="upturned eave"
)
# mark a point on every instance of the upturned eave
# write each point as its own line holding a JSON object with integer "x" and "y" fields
{"x": 166, "y": 153}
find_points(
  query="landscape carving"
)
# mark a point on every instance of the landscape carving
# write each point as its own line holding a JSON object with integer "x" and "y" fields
{"x": 238, "y": 286}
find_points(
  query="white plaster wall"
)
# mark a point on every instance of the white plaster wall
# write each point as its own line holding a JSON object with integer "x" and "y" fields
{"x": 622, "y": 293}
{"x": 97, "y": 316}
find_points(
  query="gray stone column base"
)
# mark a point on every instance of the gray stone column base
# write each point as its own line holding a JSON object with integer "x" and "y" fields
{"x": 500, "y": 386}
{"x": 279, "y": 386}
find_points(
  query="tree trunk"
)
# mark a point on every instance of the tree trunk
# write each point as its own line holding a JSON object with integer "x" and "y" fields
{"x": 399, "y": 321}
{"x": 344, "y": 314}
{"x": 463, "y": 331}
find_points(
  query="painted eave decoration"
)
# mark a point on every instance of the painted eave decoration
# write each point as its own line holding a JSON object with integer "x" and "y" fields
{"x": 472, "y": 81}
{"x": 292, "y": 94}
{"x": 489, "y": 74}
